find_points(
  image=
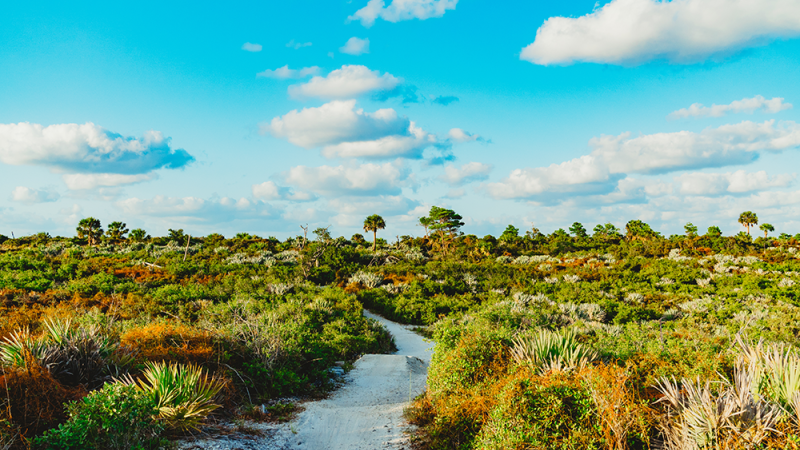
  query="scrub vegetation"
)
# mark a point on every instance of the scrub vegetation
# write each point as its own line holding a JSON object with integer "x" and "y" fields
{"x": 609, "y": 339}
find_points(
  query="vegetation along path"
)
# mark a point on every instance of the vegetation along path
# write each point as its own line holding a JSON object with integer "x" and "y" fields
{"x": 367, "y": 412}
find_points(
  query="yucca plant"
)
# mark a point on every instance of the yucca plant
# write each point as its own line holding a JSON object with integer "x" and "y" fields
{"x": 14, "y": 348}
{"x": 699, "y": 417}
{"x": 550, "y": 351}
{"x": 184, "y": 394}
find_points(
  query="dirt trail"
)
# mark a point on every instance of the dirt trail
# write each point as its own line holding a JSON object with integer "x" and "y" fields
{"x": 366, "y": 413}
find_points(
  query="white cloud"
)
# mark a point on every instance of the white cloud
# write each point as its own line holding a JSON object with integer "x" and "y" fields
{"x": 193, "y": 209}
{"x": 738, "y": 182}
{"x": 84, "y": 181}
{"x": 345, "y": 83}
{"x": 360, "y": 180}
{"x": 297, "y": 45}
{"x": 713, "y": 147}
{"x": 748, "y": 105}
{"x": 284, "y": 73}
{"x": 615, "y": 156}
{"x": 355, "y": 46}
{"x": 459, "y": 136}
{"x": 87, "y": 148}
{"x": 251, "y": 47}
{"x": 268, "y": 190}
{"x": 344, "y": 131}
{"x": 400, "y": 10}
{"x": 681, "y": 31}
{"x": 469, "y": 172}
{"x": 24, "y": 194}
{"x": 584, "y": 175}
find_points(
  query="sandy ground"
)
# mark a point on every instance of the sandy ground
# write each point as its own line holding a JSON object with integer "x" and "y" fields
{"x": 366, "y": 413}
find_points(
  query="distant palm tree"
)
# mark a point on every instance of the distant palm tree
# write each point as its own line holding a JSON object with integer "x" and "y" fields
{"x": 425, "y": 222}
{"x": 748, "y": 219}
{"x": 116, "y": 231}
{"x": 766, "y": 228}
{"x": 90, "y": 229}
{"x": 374, "y": 223}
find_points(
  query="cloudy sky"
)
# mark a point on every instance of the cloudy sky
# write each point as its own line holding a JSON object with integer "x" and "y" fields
{"x": 264, "y": 116}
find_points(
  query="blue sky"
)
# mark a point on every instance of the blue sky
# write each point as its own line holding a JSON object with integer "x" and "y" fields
{"x": 528, "y": 113}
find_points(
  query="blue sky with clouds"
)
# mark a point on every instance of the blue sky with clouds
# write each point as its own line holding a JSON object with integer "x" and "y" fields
{"x": 263, "y": 116}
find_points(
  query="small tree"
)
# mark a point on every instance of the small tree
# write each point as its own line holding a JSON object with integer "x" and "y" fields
{"x": 748, "y": 219}
{"x": 177, "y": 235}
{"x": 138, "y": 235}
{"x": 714, "y": 231}
{"x": 116, "y": 231}
{"x": 510, "y": 234}
{"x": 90, "y": 229}
{"x": 578, "y": 230}
{"x": 766, "y": 228}
{"x": 445, "y": 223}
{"x": 426, "y": 223}
{"x": 374, "y": 223}
{"x": 691, "y": 230}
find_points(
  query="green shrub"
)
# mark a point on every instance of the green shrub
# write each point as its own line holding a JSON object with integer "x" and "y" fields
{"x": 117, "y": 416}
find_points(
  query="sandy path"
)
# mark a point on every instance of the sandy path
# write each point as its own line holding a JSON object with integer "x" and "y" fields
{"x": 366, "y": 413}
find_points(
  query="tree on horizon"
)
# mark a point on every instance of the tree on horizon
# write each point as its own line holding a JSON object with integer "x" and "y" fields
{"x": 90, "y": 229}
{"x": 748, "y": 219}
{"x": 374, "y": 223}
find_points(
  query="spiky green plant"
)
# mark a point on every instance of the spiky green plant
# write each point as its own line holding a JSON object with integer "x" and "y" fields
{"x": 14, "y": 347}
{"x": 184, "y": 394}
{"x": 550, "y": 351}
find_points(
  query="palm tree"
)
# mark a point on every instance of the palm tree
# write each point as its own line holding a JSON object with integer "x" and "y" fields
{"x": 425, "y": 222}
{"x": 116, "y": 231}
{"x": 90, "y": 229}
{"x": 748, "y": 219}
{"x": 766, "y": 228}
{"x": 374, "y": 223}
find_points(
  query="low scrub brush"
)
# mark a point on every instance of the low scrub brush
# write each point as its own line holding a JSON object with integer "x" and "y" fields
{"x": 550, "y": 351}
{"x": 184, "y": 394}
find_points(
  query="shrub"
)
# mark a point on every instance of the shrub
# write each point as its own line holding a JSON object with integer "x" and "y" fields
{"x": 549, "y": 351}
{"x": 183, "y": 394}
{"x": 34, "y": 399}
{"x": 171, "y": 342}
{"x": 116, "y": 417}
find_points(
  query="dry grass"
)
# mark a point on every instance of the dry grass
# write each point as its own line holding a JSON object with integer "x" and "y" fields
{"x": 171, "y": 342}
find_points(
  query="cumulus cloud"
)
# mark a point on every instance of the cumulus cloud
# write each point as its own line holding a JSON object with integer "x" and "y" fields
{"x": 444, "y": 100}
{"x": 344, "y": 131}
{"x": 584, "y": 175}
{"x": 193, "y": 209}
{"x": 473, "y": 171}
{"x": 459, "y": 136}
{"x": 359, "y": 180}
{"x": 345, "y": 83}
{"x": 24, "y": 194}
{"x": 748, "y": 105}
{"x": 685, "y": 31}
{"x": 400, "y": 10}
{"x": 249, "y": 47}
{"x": 614, "y": 157}
{"x": 738, "y": 182}
{"x": 87, "y": 148}
{"x": 268, "y": 190}
{"x": 713, "y": 147}
{"x": 84, "y": 181}
{"x": 285, "y": 73}
{"x": 355, "y": 46}
{"x": 297, "y": 45}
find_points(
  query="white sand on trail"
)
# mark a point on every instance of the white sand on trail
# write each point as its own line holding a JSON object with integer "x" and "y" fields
{"x": 366, "y": 413}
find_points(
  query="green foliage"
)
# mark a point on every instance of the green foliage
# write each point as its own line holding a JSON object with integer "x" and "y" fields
{"x": 90, "y": 229}
{"x": 183, "y": 395}
{"x": 116, "y": 417}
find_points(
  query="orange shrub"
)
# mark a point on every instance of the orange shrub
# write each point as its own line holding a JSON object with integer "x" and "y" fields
{"x": 171, "y": 343}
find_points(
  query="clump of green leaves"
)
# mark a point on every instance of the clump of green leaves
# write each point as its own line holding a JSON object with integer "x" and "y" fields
{"x": 183, "y": 394}
{"x": 549, "y": 351}
{"x": 116, "y": 417}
